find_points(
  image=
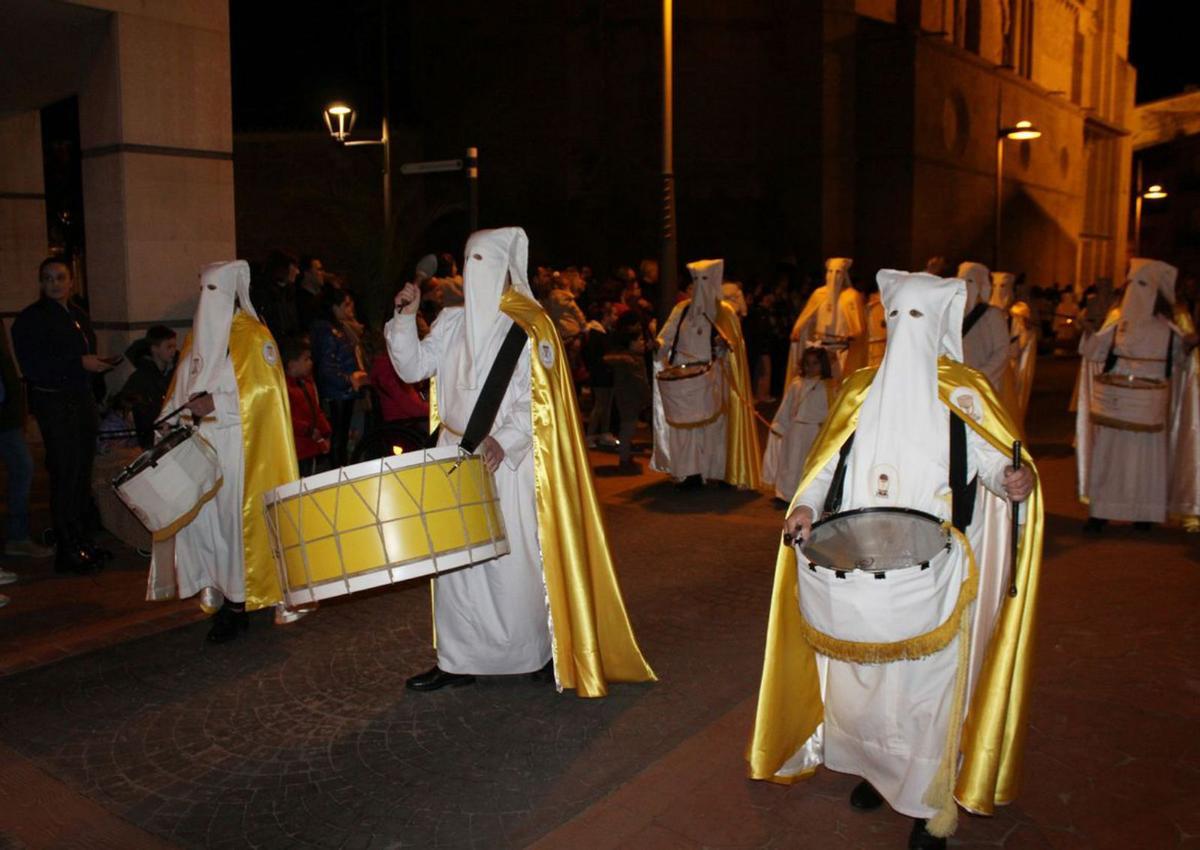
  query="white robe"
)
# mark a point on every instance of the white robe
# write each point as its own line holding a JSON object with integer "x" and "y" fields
{"x": 208, "y": 551}
{"x": 1129, "y": 474}
{"x": 823, "y": 317}
{"x": 986, "y": 347}
{"x": 795, "y": 426}
{"x": 492, "y": 618}
{"x": 699, "y": 450}
{"x": 888, "y": 723}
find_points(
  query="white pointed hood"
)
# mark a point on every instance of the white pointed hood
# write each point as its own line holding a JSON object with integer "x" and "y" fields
{"x": 837, "y": 275}
{"x": 978, "y": 281}
{"x": 1003, "y": 289}
{"x": 899, "y": 457}
{"x": 223, "y": 288}
{"x": 707, "y": 277}
{"x": 492, "y": 258}
{"x": 1147, "y": 278}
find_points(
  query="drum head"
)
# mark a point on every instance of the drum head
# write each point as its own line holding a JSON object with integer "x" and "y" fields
{"x": 875, "y": 540}
{"x": 151, "y": 455}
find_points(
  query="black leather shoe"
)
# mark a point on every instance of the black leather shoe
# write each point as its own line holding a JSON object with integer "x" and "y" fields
{"x": 1094, "y": 525}
{"x": 228, "y": 623}
{"x": 437, "y": 678}
{"x": 865, "y": 798}
{"x": 546, "y": 674}
{"x": 692, "y": 482}
{"x": 75, "y": 560}
{"x": 920, "y": 839}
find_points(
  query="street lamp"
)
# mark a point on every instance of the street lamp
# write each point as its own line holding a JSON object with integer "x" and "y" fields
{"x": 1021, "y": 131}
{"x": 339, "y": 119}
{"x": 1154, "y": 193}
{"x": 668, "y": 258}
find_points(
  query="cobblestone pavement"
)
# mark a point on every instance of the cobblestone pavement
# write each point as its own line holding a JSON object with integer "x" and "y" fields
{"x": 303, "y": 736}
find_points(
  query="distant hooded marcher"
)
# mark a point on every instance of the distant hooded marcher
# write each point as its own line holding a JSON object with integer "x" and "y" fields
{"x": 985, "y": 330}
{"x": 833, "y": 318}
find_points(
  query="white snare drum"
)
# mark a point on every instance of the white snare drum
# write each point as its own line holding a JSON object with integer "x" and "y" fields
{"x": 875, "y": 540}
{"x": 166, "y": 485}
{"x": 1129, "y": 403}
{"x": 383, "y": 521}
{"x": 693, "y": 394}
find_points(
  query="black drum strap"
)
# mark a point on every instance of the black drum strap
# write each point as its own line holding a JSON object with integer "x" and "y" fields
{"x": 1110, "y": 359}
{"x": 494, "y": 387}
{"x": 833, "y": 499}
{"x": 974, "y": 316}
{"x": 1170, "y": 353}
{"x": 678, "y": 328}
{"x": 962, "y": 505}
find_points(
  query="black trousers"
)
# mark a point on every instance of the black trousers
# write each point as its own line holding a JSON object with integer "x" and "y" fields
{"x": 69, "y": 422}
{"x": 341, "y": 411}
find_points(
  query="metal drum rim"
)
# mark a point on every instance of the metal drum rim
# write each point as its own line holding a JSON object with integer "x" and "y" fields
{"x": 859, "y": 512}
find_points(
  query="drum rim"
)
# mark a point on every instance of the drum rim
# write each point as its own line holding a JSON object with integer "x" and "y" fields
{"x": 174, "y": 438}
{"x": 670, "y": 373}
{"x": 869, "y": 510}
{"x": 333, "y": 477}
{"x": 1132, "y": 382}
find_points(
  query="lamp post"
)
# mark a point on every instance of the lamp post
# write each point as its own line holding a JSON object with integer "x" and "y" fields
{"x": 1154, "y": 193}
{"x": 1021, "y": 131}
{"x": 669, "y": 258}
{"x": 339, "y": 120}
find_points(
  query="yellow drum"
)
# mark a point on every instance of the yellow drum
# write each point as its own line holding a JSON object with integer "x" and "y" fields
{"x": 1129, "y": 403}
{"x": 383, "y": 521}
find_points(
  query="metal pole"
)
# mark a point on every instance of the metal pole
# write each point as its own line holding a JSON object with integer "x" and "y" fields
{"x": 999, "y": 178}
{"x": 471, "y": 169}
{"x": 669, "y": 261}
{"x": 1137, "y": 214}
{"x": 386, "y": 263}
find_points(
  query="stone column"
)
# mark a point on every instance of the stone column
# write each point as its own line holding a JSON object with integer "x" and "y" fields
{"x": 156, "y": 139}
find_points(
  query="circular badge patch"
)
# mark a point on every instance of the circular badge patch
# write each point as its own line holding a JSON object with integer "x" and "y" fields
{"x": 968, "y": 401}
{"x": 270, "y": 354}
{"x": 546, "y": 353}
{"x": 197, "y": 364}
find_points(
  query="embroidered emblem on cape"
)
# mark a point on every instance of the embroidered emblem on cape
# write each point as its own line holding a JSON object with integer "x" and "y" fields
{"x": 197, "y": 364}
{"x": 967, "y": 401}
{"x": 546, "y": 353}
{"x": 885, "y": 482}
{"x": 270, "y": 354}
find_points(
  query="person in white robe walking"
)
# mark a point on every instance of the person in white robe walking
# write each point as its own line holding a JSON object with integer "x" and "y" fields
{"x": 985, "y": 330}
{"x": 834, "y": 318}
{"x": 799, "y": 417}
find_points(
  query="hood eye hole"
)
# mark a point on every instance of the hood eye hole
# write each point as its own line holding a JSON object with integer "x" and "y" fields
{"x": 916, "y": 314}
{"x": 893, "y": 314}
{"x": 210, "y": 285}
{"x": 476, "y": 256}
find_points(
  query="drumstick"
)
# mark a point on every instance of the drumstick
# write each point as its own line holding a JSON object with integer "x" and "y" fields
{"x": 1015, "y": 530}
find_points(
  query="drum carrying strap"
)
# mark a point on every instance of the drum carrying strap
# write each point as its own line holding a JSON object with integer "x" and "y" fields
{"x": 494, "y": 387}
{"x": 962, "y": 491}
{"x": 679, "y": 327}
{"x": 973, "y": 317}
{"x": 1110, "y": 360}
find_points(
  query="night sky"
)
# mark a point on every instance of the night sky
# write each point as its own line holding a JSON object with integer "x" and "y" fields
{"x": 287, "y": 65}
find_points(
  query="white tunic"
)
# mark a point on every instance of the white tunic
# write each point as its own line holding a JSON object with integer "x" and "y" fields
{"x": 824, "y": 317}
{"x": 1129, "y": 474}
{"x": 799, "y": 418}
{"x": 699, "y": 450}
{"x": 208, "y": 551}
{"x": 888, "y": 723}
{"x": 492, "y": 618}
{"x": 986, "y": 347}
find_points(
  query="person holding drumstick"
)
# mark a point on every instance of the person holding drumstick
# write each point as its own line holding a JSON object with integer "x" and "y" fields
{"x": 552, "y": 606}
{"x": 923, "y": 433}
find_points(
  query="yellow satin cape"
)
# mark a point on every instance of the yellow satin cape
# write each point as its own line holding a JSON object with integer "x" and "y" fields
{"x": 743, "y": 456}
{"x": 789, "y": 704}
{"x": 268, "y": 447}
{"x": 593, "y": 641}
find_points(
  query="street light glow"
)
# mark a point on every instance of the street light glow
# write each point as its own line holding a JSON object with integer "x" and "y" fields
{"x": 339, "y": 119}
{"x": 1022, "y": 130}
{"x": 1154, "y": 193}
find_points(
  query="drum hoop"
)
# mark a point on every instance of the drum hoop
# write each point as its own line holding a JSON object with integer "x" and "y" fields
{"x": 861, "y": 511}
{"x": 172, "y": 439}
{"x": 670, "y": 373}
{"x": 1132, "y": 382}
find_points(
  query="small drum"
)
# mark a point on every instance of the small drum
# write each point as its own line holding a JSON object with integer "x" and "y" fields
{"x": 383, "y": 521}
{"x": 693, "y": 394}
{"x": 832, "y": 342}
{"x": 166, "y": 485}
{"x": 1129, "y": 403}
{"x": 875, "y": 540}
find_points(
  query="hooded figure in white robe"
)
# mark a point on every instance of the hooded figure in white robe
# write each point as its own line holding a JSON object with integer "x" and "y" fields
{"x": 797, "y": 421}
{"x": 556, "y": 592}
{"x": 985, "y": 338}
{"x": 1022, "y": 335}
{"x": 833, "y": 318}
{"x": 896, "y": 723}
{"x": 223, "y": 553}
{"x": 1141, "y": 476}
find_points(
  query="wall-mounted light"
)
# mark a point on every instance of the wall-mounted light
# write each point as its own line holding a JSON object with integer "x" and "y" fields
{"x": 339, "y": 119}
{"x": 1021, "y": 131}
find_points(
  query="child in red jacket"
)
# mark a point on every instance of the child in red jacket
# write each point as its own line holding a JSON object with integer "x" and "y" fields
{"x": 309, "y": 424}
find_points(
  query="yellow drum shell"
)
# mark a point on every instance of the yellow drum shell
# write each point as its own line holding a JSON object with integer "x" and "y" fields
{"x": 383, "y": 521}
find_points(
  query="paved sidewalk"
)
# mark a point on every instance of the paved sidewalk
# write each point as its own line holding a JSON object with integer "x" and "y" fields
{"x": 303, "y": 736}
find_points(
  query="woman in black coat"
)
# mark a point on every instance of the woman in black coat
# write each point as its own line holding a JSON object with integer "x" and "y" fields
{"x": 56, "y": 349}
